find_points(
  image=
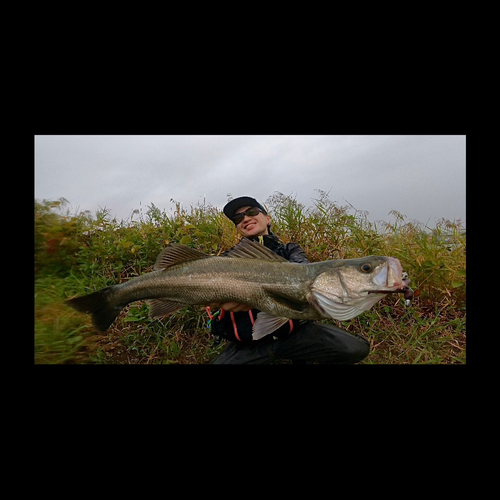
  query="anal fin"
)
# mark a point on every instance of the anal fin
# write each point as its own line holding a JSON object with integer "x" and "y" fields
{"x": 162, "y": 307}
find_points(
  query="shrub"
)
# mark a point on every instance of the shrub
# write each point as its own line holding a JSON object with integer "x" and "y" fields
{"x": 79, "y": 253}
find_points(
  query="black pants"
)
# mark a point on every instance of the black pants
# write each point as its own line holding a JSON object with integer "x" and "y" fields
{"x": 311, "y": 342}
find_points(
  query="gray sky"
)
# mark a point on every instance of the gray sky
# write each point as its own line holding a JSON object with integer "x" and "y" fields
{"x": 421, "y": 176}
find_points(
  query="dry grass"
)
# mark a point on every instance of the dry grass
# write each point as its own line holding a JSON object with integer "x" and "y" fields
{"x": 77, "y": 253}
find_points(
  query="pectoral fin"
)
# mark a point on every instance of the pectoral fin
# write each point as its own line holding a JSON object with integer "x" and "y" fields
{"x": 266, "y": 324}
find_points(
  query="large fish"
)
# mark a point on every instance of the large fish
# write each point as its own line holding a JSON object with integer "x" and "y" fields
{"x": 253, "y": 275}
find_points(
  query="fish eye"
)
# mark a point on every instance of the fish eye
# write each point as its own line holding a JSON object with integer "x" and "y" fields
{"x": 366, "y": 268}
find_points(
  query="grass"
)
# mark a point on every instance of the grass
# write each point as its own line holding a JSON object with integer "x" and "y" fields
{"x": 79, "y": 253}
{"x": 408, "y": 335}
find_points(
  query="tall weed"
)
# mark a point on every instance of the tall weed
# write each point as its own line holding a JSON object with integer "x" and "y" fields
{"x": 79, "y": 253}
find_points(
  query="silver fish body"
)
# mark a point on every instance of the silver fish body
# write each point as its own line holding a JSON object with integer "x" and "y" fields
{"x": 253, "y": 275}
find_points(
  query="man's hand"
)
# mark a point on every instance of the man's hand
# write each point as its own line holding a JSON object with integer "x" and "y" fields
{"x": 230, "y": 306}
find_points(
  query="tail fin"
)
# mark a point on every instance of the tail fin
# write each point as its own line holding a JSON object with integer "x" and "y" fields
{"x": 99, "y": 306}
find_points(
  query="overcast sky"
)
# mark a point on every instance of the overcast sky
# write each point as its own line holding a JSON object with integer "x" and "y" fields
{"x": 421, "y": 176}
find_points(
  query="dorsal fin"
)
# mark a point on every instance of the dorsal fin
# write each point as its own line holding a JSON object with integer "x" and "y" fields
{"x": 248, "y": 249}
{"x": 175, "y": 254}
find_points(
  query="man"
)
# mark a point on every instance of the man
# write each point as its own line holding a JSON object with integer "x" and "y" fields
{"x": 297, "y": 341}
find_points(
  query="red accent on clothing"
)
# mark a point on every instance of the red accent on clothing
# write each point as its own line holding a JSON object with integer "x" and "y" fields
{"x": 210, "y": 315}
{"x": 234, "y": 326}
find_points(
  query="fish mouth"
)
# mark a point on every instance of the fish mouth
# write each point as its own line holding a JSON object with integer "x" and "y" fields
{"x": 405, "y": 290}
{"x": 402, "y": 289}
{"x": 392, "y": 278}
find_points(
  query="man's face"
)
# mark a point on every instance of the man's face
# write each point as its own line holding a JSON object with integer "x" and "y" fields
{"x": 255, "y": 225}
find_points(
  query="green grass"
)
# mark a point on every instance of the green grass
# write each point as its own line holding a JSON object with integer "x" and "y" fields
{"x": 407, "y": 335}
{"x": 79, "y": 253}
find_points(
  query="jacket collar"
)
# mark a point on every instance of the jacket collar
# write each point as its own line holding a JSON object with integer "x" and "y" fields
{"x": 271, "y": 241}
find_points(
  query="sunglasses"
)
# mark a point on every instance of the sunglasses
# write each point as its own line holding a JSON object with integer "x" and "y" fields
{"x": 250, "y": 212}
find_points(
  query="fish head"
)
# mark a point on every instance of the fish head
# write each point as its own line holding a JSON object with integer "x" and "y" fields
{"x": 346, "y": 288}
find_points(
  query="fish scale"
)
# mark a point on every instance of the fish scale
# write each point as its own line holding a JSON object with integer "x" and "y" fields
{"x": 253, "y": 275}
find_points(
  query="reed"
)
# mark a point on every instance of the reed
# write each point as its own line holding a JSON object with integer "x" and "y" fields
{"x": 79, "y": 253}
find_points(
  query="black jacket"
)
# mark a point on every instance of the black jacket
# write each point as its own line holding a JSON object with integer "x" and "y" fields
{"x": 290, "y": 251}
{"x": 237, "y": 326}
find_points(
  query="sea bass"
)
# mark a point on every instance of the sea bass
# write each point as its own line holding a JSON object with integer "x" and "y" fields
{"x": 252, "y": 274}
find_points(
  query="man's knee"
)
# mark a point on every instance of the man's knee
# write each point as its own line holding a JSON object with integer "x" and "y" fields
{"x": 353, "y": 348}
{"x": 330, "y": 344}
{"x": 358, "y": 349}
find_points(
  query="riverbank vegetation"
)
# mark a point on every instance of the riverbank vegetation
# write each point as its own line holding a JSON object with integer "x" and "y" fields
{"x": 77, "y": 253}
